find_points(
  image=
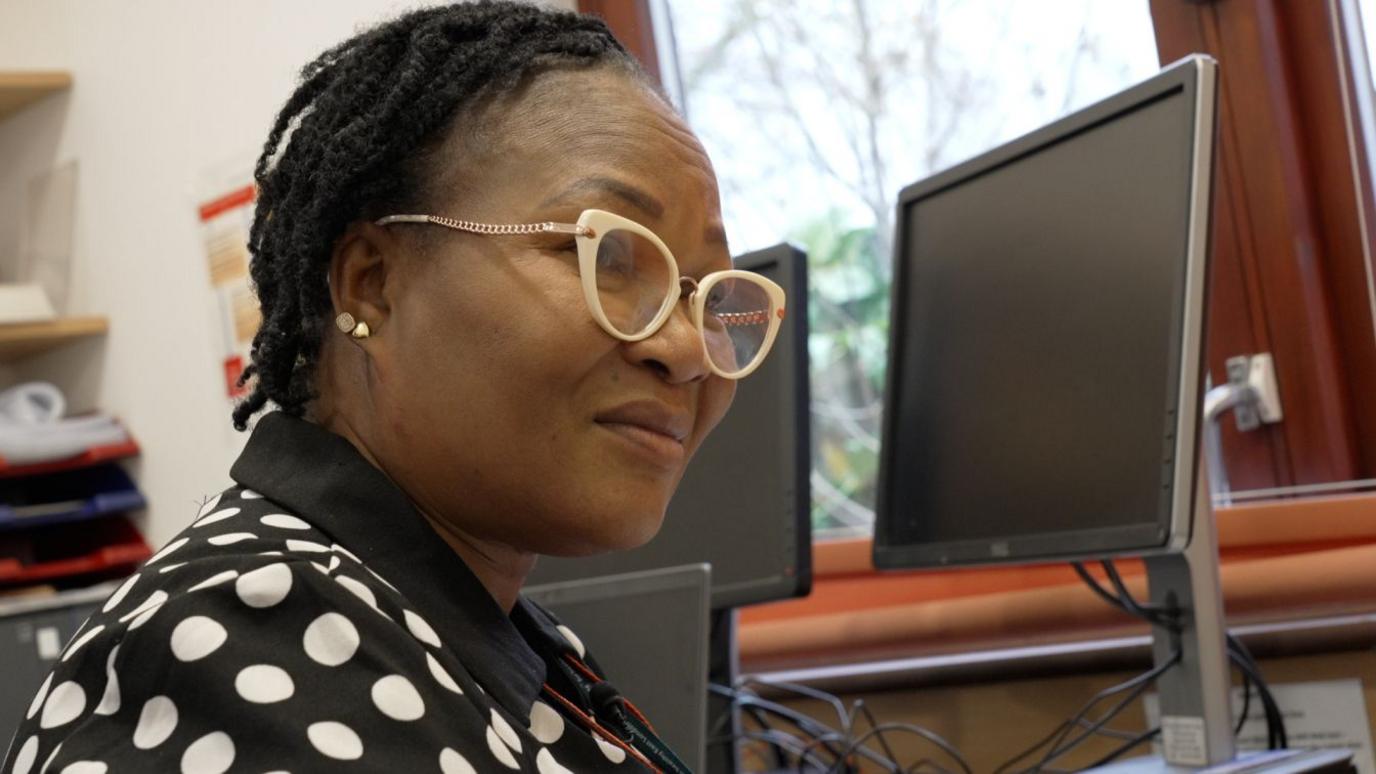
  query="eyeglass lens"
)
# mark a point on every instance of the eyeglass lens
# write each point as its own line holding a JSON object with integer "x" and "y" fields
{"x": 634, "y": 283}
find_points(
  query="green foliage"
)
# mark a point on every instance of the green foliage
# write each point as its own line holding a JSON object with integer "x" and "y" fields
{"x": 848, "y": 306}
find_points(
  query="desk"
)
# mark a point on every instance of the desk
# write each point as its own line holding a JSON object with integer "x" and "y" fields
{"x": 992, "y": 704}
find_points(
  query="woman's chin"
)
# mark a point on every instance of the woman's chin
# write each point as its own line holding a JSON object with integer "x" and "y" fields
{"x": 610, "y": 532}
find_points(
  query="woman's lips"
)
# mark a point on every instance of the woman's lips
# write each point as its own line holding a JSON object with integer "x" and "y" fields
{"x": 655, "y": 429}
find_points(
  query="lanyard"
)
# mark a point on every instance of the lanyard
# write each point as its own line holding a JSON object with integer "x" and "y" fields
{"x": 616, "y": 720}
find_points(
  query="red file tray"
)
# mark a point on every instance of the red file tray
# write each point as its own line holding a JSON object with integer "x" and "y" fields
{"x": 68, "y": 550}
{"x": 92, "y": 456}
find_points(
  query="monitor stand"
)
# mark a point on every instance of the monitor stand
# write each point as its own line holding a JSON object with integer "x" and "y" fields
{"x": 1196, "y": 716}
{"x": 1195, "y": 694}
{"x": 723, "y": 664}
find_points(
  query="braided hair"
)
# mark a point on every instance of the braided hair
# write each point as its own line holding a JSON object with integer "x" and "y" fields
{"x": 352, "y": 141}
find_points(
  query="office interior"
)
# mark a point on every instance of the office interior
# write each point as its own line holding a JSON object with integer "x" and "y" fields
{"x": 816, "y": 631}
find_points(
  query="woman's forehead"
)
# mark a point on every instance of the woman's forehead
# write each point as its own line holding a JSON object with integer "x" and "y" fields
{"x": 585, "y": 138}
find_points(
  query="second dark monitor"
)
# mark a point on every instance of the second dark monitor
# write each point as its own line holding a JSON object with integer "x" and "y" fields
{"x": 744, "y": 504}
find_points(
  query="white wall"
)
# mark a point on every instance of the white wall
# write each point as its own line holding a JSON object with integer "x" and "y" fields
{"x": 163, "y": 89}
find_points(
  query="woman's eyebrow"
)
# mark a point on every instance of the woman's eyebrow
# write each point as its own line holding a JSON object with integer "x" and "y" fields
{"x": 633, "y": 196}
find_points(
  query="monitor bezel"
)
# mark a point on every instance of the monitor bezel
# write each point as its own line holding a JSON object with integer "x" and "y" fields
{"x": 1196, "y": 76}
{"x": 790, "y": 347}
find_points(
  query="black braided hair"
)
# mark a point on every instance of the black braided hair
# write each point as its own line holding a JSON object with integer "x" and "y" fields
{"x": 356, "y": 134}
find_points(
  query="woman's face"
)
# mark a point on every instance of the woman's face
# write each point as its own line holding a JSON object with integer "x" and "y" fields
{"x": 503, "y": 407}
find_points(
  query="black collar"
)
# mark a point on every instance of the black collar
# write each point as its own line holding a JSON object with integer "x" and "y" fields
{"x": 325, "y": 480}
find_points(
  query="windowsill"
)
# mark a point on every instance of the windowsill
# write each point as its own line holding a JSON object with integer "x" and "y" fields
{"x": 1281, "y": 560}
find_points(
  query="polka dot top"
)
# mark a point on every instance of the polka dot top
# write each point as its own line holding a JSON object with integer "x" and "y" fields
{"x": 310, "y": 620}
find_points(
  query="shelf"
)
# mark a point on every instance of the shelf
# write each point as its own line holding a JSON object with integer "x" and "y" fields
{"x": 18, "y": 90}
{"x": 94, "y": 455}
{"x": 21, "y": 340}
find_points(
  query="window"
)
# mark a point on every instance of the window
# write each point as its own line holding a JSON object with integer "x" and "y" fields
{"x": 816, "y": 114}
{"x": 817, "y": 111}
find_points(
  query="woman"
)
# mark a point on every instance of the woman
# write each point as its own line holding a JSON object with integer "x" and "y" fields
{"x": 495, "y": 325}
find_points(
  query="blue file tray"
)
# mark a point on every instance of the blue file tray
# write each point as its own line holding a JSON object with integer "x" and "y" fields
{"x": 74, "y": 495}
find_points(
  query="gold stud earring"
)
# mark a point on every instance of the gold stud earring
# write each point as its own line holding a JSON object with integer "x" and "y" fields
{"x": 356, "y": 328}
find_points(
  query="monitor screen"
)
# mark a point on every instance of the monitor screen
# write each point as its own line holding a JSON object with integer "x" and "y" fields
{"x": 1040, "y": 300}
{"x": 649, "y": 633}
{"x": 743, "y": 505}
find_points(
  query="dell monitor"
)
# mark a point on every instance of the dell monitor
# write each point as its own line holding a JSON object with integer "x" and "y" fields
{"x": 1045, "y": 372}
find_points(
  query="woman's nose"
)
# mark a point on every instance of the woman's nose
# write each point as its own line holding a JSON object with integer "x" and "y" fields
{"x": 676, "y": 350}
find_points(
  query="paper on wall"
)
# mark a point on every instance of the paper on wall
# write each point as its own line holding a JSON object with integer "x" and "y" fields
{"x": 225, "y": 211}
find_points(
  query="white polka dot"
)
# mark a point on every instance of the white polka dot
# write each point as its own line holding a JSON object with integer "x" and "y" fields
{"x": 499, "y": 750}
{"x": 120, "y": 593}
{"x": 230, "y": 538}
{"x": 249, "y": 494}
{"x": 270, "y": 553}
{"x": 51, "y": 757}
{"x": 40, "y": 696}
{"x": 109, "y": 703}
{"x": 64, "y": 705}
{"x": 215, "y": 580}
{"x": 573, "y": 639}
{"x": 397, "y": 698}
{"x": 331, "y": 639}
{"x": 157, "y": 721}
{"x": 216, "y": 516}
{"x": 209, "y": 505}
{"x": 24, "y": 760}
{"x": 546, "y": 725}
{"x": 421, "y": 630}
{"x": 85, "y": 767}
{"x": 612, "y": 752}
{"x": 322, "y": 568}
{"x": 341, "y": 549}
{"x": 305, "y": 545}
{"x": 171, "y": 567}
{"x": 335, "y": 740}
{"x": 211, "y": 754}
{"x": 284, "y": 521}
{"x": 153, "y": 601}
{"x": 505, "y": 731}
{"x": 80, "y": 641}
{"x": 144, "y": 617}
{"x": 265, "y": 586}
{"x": 442, "y": 677}
{"x": 546, "y": 764}
{"x": 197, "y": 637}
{"x": 167, "y": 549}
{"x": 451, "y": 762}
{"x": 264, "y": 684}
{"x": 358, "y": 589}
{"x": 334, "y": 564}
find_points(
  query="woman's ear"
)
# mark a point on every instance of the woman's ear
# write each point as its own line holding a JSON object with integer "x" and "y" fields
{"x": 359, "y": 267}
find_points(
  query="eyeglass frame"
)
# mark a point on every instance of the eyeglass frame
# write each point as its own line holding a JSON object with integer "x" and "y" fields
{"x": 591, "y": 226}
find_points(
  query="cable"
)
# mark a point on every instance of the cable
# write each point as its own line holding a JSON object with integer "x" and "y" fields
{"x": 859, "y": 706}
{"x": 1145, "y": 736}
{"x": 1060, "y": 747}
{"x": 1058, "y": 733}
{"x": 857, "y": 745}
{"x": 802, "y": 690}
{"x": 1276, "y": 735}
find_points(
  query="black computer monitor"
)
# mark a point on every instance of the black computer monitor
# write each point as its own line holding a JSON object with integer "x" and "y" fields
{"x": 649, "y": 633}
{"x": 1045, "y": 376}
{"x": 744, "y": 504}
{"x": 1046, "y": 371}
